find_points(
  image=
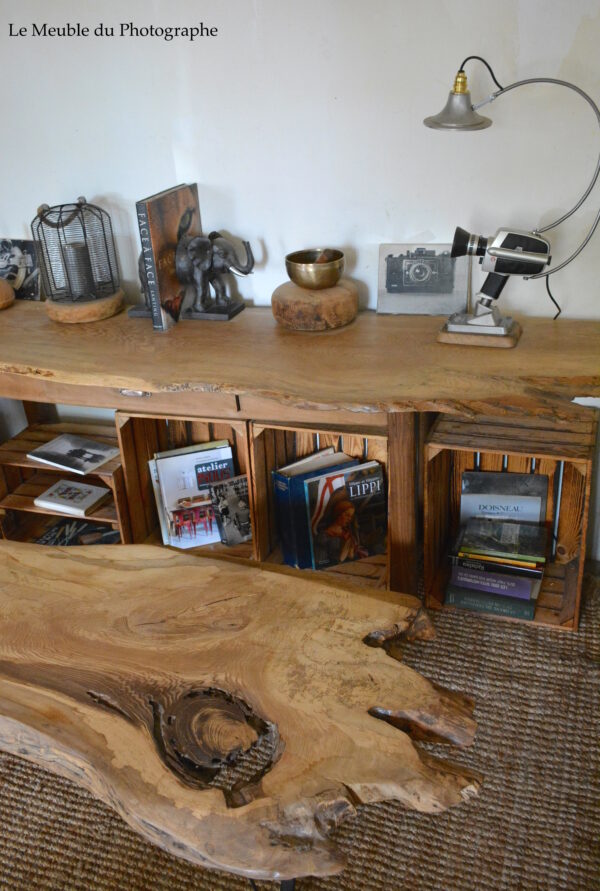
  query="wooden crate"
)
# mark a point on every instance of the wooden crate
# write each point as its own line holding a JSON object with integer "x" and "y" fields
{"x": 142, "y": 435}
{"x": 274, "y": 447}
{"x": 517, "y": 445}
{"x": 22, "y": 480}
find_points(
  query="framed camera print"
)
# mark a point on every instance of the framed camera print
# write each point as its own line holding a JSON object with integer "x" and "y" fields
{"x": 421, "y": 279}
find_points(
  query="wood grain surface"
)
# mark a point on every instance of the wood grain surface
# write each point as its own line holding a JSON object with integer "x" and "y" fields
{"x": 143, "y": 675}
{"x": 376, "y": 363}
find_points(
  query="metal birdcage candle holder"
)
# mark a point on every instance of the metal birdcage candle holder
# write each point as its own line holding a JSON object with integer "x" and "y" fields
{"x": 78, "y": 262}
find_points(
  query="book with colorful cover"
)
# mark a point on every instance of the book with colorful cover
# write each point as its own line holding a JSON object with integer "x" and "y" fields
{"x": 503, "y": 539}
{"x": 290, "y": 504}
{"x": 519, "y": 497}
{"x": 480, "y": 601}
{"x": 347, "y": 515}
{"x": 72, "y": 497}
{"x": 163, "y": 219}
{"x": 184, "y": 481}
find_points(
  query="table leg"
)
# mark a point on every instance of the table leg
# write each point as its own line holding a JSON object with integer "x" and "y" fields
{"x": 402, "y": 507}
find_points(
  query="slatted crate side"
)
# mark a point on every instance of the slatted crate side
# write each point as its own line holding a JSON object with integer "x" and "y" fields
{"x": 437, "y": 523}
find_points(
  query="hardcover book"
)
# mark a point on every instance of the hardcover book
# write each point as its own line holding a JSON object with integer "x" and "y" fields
{"x": 518, "y": 497}
{"x": 70, "y": 497}
{"x": 163, "y": 219}
{"x": 505, "y": 585}
{"x": 78, "y": 532}
{"x": 184, "y": 481}
{"x": 74, "y": 453}
{"x": 290, "y": 503}
{"x": 492, "y": 564}
{"x": 500, "y": 538}
{"x": 347, "y": 515}
{"x": 513, "y": 607}
{"x": 232, "y": 510}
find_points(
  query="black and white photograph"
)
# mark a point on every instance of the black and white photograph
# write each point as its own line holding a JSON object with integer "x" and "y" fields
{"x": 232, "y": 510}
{"x": 74, "y": 453}
{"x": 19, "y": 266}
{"x": 421, "y": 279}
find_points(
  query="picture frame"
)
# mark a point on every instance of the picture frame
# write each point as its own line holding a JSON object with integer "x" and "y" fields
{"x": 423, "y": 279}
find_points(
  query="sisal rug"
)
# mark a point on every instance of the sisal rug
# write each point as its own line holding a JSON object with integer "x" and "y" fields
{"x": 535, "y": 825}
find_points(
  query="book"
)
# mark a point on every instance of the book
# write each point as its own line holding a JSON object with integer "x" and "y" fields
{"x": 71, "y": 497}
{"x": 501, "y": 538}
{"x": 504, "y": 585}
{"x": 78, "y": 532}
{"x": 160, "y": 508}
{"x": 504, "y": 496}
{"x": 503, "y": 561}
{"x": 184, "y": 484}
{"x": 163, "y": 219}
{"x": 496, "y": 564}
{"x": 346, "y": 514}
{"x": 232, "y": 509}
{"x": 74, "y": 453}
{"x": 290, "y": 504}
{"x": 513, "y": 607}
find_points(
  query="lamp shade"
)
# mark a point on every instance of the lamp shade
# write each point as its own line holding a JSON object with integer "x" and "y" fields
{"x": 458, "y": 114}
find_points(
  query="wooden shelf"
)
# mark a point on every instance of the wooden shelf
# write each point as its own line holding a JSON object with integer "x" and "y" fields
{"x": 14, "y": 452}
{"x": 369, "y": 572}
{"x": 521, "y": 445}
{"x": 22, "y": 498}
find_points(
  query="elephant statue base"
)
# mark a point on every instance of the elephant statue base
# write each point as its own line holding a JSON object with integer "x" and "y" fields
{"x": 202, "y": 261}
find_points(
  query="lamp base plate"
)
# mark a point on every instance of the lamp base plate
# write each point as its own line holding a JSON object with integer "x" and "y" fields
{"x": 479, "y": 338}
{"x": 88, "y": 311}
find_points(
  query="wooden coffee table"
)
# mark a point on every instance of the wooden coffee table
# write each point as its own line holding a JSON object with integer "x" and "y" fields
{"x": 233, "y": 715}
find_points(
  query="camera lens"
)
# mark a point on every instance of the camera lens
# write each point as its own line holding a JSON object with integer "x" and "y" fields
{"x": 420, "y": 272}
{"x": 465, "y": 243}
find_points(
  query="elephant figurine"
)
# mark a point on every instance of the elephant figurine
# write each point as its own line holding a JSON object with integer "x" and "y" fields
{"x": 202, "y": 261}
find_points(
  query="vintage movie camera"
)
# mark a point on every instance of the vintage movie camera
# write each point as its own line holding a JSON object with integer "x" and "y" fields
{"x": 419, "y": 270}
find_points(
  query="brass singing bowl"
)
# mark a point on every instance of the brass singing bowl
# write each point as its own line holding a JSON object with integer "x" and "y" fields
{"x": 315, "y": 269}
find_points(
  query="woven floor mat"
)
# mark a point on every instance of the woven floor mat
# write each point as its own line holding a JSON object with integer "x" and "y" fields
{"x": 535, "y": 825}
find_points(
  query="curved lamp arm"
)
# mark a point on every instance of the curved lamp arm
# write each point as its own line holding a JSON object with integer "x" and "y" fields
{"x": 590, "y": 101}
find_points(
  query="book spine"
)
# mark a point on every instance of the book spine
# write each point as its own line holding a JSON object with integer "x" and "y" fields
{"x": 283, "y": 508}
{"x": 149, "y": 265}
{"x": 488, "y": 566}
{"x": 491, "y": 582}
{"x": 479, "y": 601}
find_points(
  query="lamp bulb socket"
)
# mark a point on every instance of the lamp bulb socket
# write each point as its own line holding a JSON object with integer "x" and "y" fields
{"x": 460, "y": 83}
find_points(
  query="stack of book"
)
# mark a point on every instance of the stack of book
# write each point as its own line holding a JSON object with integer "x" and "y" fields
{"x": 199, "y": 498}
{"x": 497, "y": 567}
{"x": 498, "y": 561}
{"x": 331, "y": 509}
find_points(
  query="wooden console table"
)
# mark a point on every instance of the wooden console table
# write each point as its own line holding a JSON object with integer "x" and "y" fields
{"x": 379, "y": 379}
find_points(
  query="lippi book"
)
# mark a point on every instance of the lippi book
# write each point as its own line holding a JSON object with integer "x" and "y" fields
{"x": 71, "y": 497}
{"x": 347, "y": 515}
{"x": 232, "y": 510}
{"x": 504, "y": 585}
{"x": 75, "y": 454}
{"x": 503, "y": 539}
{"x": 163, "y": 219}
{"x": 184, "y": 481}
{"x": 290, "y": 502}
{"x": 519, "y": 497}
{"x": 510, "y": 607}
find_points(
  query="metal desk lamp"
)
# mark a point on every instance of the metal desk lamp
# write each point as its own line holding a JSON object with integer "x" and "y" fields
{"x": 509, "y": 251}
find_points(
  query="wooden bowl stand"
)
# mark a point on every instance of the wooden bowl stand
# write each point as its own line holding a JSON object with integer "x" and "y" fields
{"x": 90, "y": 311}
{"x": 305, "y": 310}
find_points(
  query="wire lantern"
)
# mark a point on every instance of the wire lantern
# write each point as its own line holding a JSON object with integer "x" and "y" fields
{"x": 76, "y": 252}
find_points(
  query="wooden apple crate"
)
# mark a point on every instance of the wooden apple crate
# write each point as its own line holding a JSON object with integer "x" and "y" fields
{"x": 275, "y": 446}
{"x": 141, "y": 435}
{"x": 22, "y": 480}
{"x": 517, "y": 445}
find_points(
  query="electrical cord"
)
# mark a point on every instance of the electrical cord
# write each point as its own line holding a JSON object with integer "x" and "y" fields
{"x": 487, "y": 65}
{"x": 553, "y": 300}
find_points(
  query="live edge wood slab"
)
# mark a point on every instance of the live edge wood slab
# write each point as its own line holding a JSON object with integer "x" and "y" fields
{"x": 377, "y": 363}
{"x": 144, "y": 674}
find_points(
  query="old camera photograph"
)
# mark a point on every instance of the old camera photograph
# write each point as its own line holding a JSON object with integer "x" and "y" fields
{"x": 421, "y": 279}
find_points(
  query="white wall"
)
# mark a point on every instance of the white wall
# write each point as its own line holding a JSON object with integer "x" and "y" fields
{"x": 302, "y": 124}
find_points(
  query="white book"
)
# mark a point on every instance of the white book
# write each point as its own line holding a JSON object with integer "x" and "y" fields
{"x": 184, "y": 481}
{"x": 74, "y": 453}
{"x": 73, "y": 498}
{"x": 160, "y": 509}
{"x": 217, "y": 444}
